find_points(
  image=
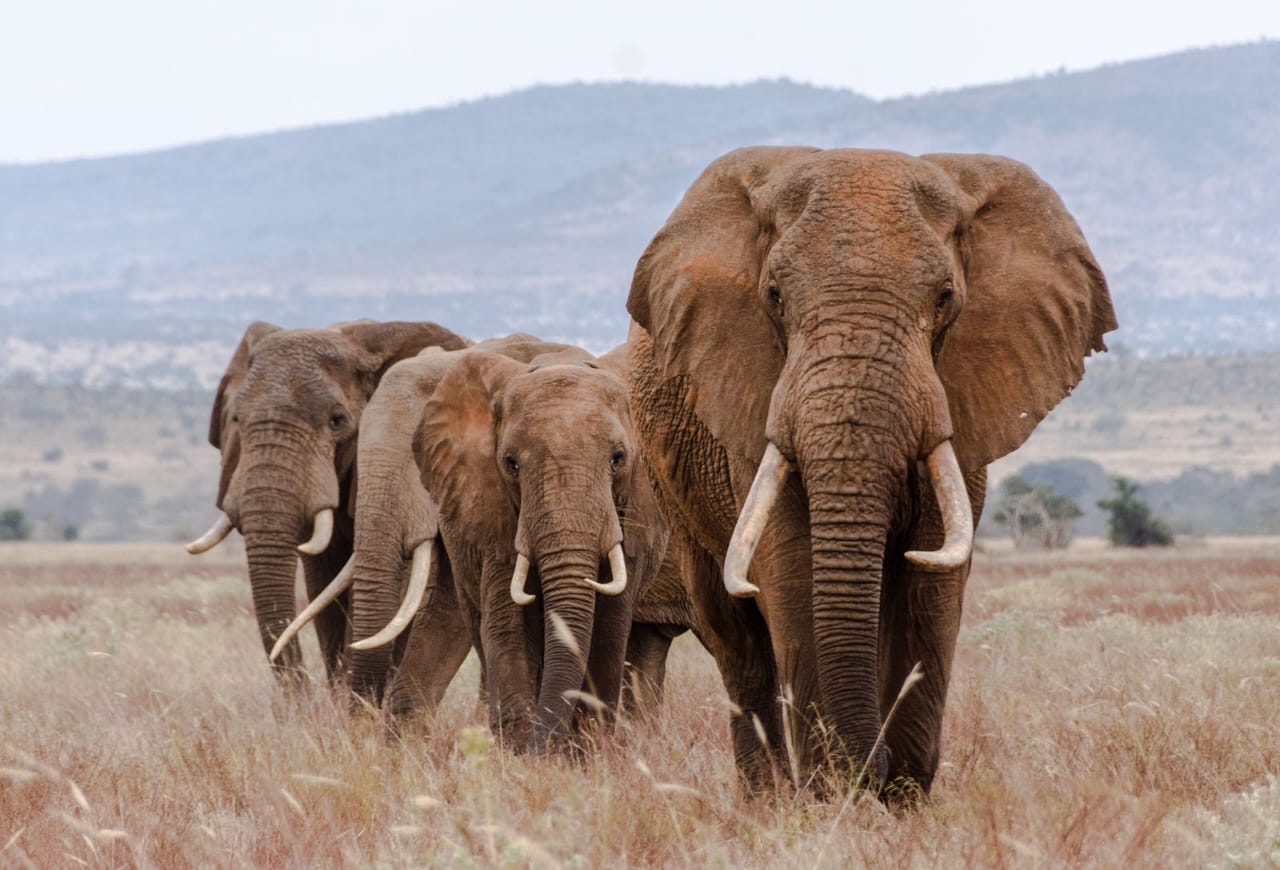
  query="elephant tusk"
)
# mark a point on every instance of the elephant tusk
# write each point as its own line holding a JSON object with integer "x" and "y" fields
{"x": 773, "y": 470}
{"x": 618, "y": 568}
{"x": 336, "y": 587}
{"x": 419, "y": 582}
{"x": 518, "y": 576}
{"x": 957, "y": 514}
{"x": 210, "y": 539}
{"x": 321, "y": 532}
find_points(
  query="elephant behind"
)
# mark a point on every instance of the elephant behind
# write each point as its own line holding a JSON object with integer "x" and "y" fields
{"x": 286, "y": 418}
{"x": 829, "y": 347}
{"x": 401, "y": 572}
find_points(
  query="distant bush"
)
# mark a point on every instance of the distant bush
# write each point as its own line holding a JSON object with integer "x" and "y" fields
{"x": 1036, "y": 516}
{"x": 14, "y": 525}
{"x": 70, "y": 532}
{"x": 53, "y": 454}
{"x": 1131, "y": 522}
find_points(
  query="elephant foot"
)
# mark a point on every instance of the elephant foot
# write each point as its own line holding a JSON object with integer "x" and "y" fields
{"x": 905, "y": 793}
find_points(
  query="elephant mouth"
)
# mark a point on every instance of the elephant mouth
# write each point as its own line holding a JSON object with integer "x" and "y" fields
{"x": 616, "y": 586}
{"x": 948, "y": 486}
{"x": 321, "y": 535}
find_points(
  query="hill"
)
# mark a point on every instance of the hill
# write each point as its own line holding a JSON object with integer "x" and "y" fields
{"x": 133, "y": 464}
{"x": 528, "y": 211}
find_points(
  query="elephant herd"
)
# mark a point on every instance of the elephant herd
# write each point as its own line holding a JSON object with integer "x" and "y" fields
{"x": 787, "y": 458}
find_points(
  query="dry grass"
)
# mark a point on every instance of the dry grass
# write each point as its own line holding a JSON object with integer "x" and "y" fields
{"x": 1108, "y": 709}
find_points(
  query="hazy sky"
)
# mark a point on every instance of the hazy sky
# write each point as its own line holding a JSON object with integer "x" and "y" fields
{"x": 83, "y": 77}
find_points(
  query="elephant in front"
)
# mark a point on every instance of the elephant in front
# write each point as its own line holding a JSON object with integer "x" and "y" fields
{"x": 285, "y": 417}
{"x": 829, "y": 347}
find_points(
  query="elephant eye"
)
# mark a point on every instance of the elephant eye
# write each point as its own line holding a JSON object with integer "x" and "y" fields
{"x": 337, "y": 421}
{"x": 775, "y": 296}
{"x": 513, "y": 467}
{"x": 616, "y": 461}
{"x": 945, "y": 297}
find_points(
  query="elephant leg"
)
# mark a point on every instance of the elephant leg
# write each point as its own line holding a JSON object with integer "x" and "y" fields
{"x": 509, "y": 660}
{"x": 332, "y": 622}
{"x": 919, "y": 623}
{"x": 783, "y": 557}
{"x": 648, "y": 645}
{"x": 735, "y": 634}
{"x": 607, "y": 660}
{"x": 438, "y": 644}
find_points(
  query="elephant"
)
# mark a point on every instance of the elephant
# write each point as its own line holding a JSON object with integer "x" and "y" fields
{"x": 285, "y": 418}
{"x": 551, "y": 529}
{"x": 828, "y": 349}
{"x": 400, "y": 569}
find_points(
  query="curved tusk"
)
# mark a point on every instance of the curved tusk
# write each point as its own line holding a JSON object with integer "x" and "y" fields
{"x": 618, "y": 568}
{"x": 336, "y": 587}
{"x": 957, "y": 514}
{"x": 773, "y": 470}
{"x": 419, "y": 577}
{"x": 518, "y": 576}
{"x": 212, "y": 538}
{"x": 321, "y": 532}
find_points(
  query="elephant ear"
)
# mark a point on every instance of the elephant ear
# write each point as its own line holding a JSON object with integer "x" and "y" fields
{"x": 224, "y": 398}
{"x": 1036, "y": 305}
{"x": 695, "y": 293}
{"x": 455, "y": 443}
{"x": 385, "y": 344}
{"x": 222, "y": 434}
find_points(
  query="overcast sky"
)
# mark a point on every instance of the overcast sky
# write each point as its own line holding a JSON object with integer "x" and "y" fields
{"x": 83, "y": 77}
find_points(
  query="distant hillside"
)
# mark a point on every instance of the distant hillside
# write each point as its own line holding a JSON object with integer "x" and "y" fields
{"x": 528, "y": 211}
{"x": 134, "y": 464}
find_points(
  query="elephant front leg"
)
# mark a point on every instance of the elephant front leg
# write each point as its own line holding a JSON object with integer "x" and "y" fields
{"x": 332, "y": 622}
{"x": 439, "y": 641}
{"x": 919, "y": 623}
{"x": 737, "y": 637}
{"x": 645, "y": 672}
{"x": 606, "y": 662}
{"x": 509, "y": 655}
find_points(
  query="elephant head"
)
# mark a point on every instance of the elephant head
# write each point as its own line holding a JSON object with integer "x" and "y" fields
{"x": 536, "y": 471}
{"x": 285, "y": 418}
{"x": 865, "y": 319}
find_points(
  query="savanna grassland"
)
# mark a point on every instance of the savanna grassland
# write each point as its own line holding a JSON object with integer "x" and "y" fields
{"x": 1109, "y": 708}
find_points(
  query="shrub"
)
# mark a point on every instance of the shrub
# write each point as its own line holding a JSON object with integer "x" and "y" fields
{"x": 14, "y": 525}
{"x": 1036, "y": 516}
{"x": 1131, "y": 522}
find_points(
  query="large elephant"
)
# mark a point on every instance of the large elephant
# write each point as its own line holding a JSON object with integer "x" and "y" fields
{"x": 401, "y": 572}
{"x": 285, "y": 418}
{"x": 829, "y": 348}
{"x": 551, "y": 528}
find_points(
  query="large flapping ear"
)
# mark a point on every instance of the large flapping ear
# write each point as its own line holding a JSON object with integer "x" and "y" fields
{"x": 694, "y": 292}
{"x": 387, "y": 343}
{"x": 1036, "y": 305}
{"x": 455, "y": 443}
{"x": 224, "y": 398}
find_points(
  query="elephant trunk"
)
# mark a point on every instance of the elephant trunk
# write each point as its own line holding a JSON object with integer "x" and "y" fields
{"x": 380, "y": 572}
{"x": 850, "y": 510}
{"x": 271, "y": 533}
{"x": 568, "y": 602}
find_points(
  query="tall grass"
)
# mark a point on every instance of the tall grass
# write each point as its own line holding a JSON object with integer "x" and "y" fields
{"x": 140, "y": 728}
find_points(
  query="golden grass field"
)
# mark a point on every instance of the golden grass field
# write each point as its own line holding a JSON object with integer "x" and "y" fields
{"x": 1108, "y": 709}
